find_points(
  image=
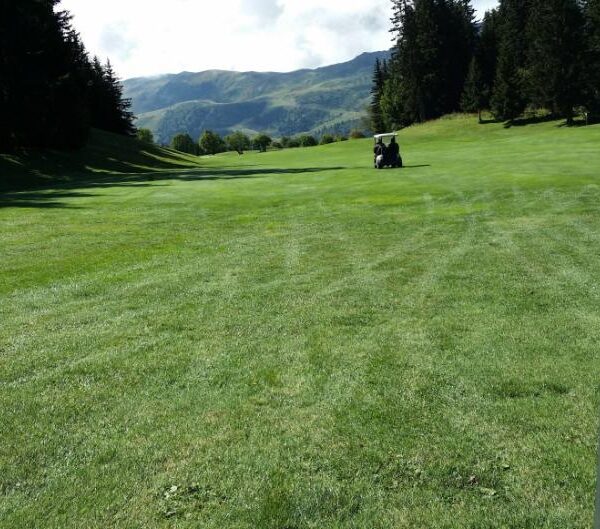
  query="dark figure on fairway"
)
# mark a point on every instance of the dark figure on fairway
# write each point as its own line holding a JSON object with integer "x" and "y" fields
{"x": 393, "y": 154}
{"x": 381, "y": 154}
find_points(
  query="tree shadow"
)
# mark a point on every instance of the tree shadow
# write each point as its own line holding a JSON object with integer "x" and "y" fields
{"x": 576, "y": 123}
{"x": 489, "y": 121}
{"x": 40, "y": 199}
{"x": 54, "y": 194}
{"x": 530, "y": 120}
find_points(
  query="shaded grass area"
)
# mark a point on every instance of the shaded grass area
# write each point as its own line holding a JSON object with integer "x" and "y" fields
{"x": 294, "y": 340}
{"x": 106, "y": 155}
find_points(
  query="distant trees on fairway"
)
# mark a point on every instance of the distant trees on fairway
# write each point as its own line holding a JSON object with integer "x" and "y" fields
{"x": 526, "y": 54}
{"x": 262, "y": 142}
{"x": 185, "y": 143}
{"x": 211, "y": 143}
{"x": 306, "y": 140}
{"x": 238, "y": 142}
{"x": 51, "y": 92}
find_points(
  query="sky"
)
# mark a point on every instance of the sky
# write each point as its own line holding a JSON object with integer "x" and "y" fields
{"x": 152, "y": 37}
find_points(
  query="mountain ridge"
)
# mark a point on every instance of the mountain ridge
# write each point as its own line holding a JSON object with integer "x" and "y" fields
{"x": 325, "y": 99}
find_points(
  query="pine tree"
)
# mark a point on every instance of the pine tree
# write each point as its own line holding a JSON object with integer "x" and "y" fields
{"x": 459, "y": 36}
{"x": 487, "y": 54}
{"x": 508, "y": 100}
{"x": 47, "y": 92}
{"x": 592, "y": 58}
{"x": 430, "y": 61}
{"x": 473, "y": 98}
{"x": 415, "y": 80}
{"x": 555, "y": 56}
{"x": 375, "y": 114}
{"x": 42, "y": 81}
{"x": 72, "y": 117}
{"x": 110, "y": 111}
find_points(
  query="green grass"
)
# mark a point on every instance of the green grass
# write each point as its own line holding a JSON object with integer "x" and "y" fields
{"x": 295, "y": 340}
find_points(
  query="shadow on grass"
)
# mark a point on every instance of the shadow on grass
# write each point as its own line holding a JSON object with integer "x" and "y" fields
{"x": 577, "y": 123}
{"x": 534, "y": 120}
{"x": 52, "y": 194}
{"x": 40, "y": 199}
{"x": 531, "y": 120}
{"x": 489, "y": 121}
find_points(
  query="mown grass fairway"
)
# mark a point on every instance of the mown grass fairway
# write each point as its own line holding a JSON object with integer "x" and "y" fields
{"x": 294, "y": 340}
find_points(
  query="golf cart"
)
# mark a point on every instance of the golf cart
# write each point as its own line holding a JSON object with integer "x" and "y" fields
{"x": 386, "y": 155}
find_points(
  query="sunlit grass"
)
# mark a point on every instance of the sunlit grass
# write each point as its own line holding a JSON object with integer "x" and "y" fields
{"x": 295, "y": 340}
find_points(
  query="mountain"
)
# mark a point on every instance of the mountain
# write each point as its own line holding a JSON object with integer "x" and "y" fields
{"x": 328, "y": 99}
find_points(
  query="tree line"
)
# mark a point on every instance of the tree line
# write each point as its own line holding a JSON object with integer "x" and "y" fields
{"x": 211, "y": 143}
{"x": 51, "y": 92}
{"x": 525, "y": 55}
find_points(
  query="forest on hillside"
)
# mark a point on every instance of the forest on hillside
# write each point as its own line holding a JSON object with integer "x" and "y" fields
{"x": 525, "y": 56}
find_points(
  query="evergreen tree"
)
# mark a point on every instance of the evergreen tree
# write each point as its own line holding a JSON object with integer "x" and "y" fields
{"x": 482, "y": 69}
{"x": 508, "y": 99}
{"x": 459, "y": 37}
{"x": 435, "y": 40}
{"x": 555, "y": 56}
{"x": 47, "y": 80}
{"x": 591, "y": 90}
{"x": 110, "y": 111}
{"x": 473, "y": 99}
{"x": 42, "y": 78}
{"x": 377, "y": 123}
{"x": 487, "y": 54}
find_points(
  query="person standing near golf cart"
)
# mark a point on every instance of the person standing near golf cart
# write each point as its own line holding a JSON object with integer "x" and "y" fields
{"x": 380, "y": 151}
{"x": 393, "y": 152}
{"x": 380, "y": 148}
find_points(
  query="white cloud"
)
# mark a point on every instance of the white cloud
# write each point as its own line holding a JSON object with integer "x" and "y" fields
{"x": 148, "y": 37}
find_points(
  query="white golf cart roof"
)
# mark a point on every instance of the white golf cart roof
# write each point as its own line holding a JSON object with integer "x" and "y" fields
{"x": 387, "y": 135}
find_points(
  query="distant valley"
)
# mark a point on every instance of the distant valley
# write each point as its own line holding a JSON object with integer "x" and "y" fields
{"x": 331, "y": 99}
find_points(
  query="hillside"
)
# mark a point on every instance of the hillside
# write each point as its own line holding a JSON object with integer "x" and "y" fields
{"x": 105, "y": 154}
{"x": 328, "y": 99}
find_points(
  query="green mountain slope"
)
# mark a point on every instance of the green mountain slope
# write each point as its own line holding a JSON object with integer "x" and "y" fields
{"x": 331, "y": 98}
